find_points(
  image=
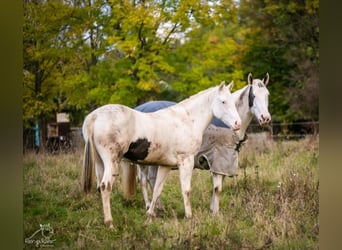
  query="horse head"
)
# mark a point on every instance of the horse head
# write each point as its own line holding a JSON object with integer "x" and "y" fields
{"x": 224, "y": 108}
{"x": 258, "y": 98}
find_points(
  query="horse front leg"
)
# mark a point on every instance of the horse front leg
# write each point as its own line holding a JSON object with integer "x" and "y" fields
{"x": 143, "y": 170}
{"x": 162, "y": 174}
{"x": 185, "y": 174}
{"x": 215, "y": 200}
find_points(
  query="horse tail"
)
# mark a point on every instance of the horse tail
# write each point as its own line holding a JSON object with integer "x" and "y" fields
{"x": 129, "y": 178}
{"x": 88, "y": 159}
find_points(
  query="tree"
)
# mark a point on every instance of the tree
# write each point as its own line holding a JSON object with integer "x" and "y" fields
{"x": 43, "y": 24}
{"x": 84, "y": 77}
{"x": 80, "y": 54}
{"x": 208, "y": 55}
{"x": 142, "y": 32}
{"x": 282, "y": 38}
{"x": 63, "y": 40}
{"x": 40, "y": 39}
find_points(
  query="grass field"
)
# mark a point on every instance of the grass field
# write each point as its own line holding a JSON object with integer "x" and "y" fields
{"x": 273, "y": 204}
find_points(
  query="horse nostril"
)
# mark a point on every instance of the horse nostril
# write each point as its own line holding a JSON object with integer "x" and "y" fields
{"x": 237, "y": 124}
{"x": 265, "y": 118}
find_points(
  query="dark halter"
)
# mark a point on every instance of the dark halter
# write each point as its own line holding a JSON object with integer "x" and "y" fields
{"x": 251, "y": 97}
{"x": 239, "y": 144}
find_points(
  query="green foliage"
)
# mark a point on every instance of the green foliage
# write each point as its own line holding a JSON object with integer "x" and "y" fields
{"x": 203, "y": 70}
{"x": 282, "y": 39}
{"x": 41, "y": 55}
{"x": 79, "y": 55}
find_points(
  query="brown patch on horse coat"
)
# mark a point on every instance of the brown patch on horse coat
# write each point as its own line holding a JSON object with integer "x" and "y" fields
{"x": 138, "y": 150}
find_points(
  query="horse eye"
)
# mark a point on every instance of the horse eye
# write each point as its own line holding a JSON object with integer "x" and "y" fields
{"x": 223, "y": 102}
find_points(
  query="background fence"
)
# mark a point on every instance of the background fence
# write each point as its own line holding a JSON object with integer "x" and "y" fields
{"x": 295, "y": 130}
{"x": 275, "y": 131}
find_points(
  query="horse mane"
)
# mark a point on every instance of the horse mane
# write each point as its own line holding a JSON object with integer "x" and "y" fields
{"x": 197, "y": 95}
{"x": 242, "y": 92}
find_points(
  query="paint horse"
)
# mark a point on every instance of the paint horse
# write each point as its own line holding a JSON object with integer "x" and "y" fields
{"x": 220, "y": 148}
{"x": 113, "y": 132}
{"x": 218, "y": 151}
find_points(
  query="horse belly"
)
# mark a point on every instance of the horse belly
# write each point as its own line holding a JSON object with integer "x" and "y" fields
{"x": 159, "y": 157}
{"x": 144, "y": 151}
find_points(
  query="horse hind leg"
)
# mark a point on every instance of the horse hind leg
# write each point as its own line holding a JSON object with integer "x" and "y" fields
{"x": 111, "y": 170}
{"x": 142, "y": 175}
{"x": 99, "y": 169}
{"x": 151, "y": 177}
{"x": 162, "y": 174}
{"x": 215, "y": 200}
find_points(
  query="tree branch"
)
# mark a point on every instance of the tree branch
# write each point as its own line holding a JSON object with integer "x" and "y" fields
{"x": 141, "y": 38}
{"x": 170, "y": 33}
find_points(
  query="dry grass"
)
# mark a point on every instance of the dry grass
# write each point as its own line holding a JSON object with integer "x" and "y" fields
{"x": 273, "y": 203}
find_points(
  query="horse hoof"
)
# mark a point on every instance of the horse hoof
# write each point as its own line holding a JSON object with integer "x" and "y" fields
{"x": 151, "y": 215}
{"x": 109, "y": 224}
{"x": 149, "y": 220}
{"x": 160, "y": 208}
{"x": 214, "y": 211}
{"x": 188, "y": 216}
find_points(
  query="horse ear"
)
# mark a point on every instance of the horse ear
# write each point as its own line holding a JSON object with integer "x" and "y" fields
{"x": 265, "y": 80}
{"x": 222, "y": 84}
{"x": 230, "y": 85}
{"x": 250, "y": 78}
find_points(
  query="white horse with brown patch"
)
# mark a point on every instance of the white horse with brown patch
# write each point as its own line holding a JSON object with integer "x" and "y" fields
{"x": 169, "y": 137}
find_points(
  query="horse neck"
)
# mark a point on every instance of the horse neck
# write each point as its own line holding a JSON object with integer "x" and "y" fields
{"x": 196, "y": 108}
{"x": 241, "y": 103}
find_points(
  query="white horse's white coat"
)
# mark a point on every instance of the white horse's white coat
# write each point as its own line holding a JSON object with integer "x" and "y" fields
{"x": 251, "y": 101}
{"x": 168, "y": 137}
{"x": 259, "y": 106}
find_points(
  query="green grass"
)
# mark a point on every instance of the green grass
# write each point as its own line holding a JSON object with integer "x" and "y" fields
{"x": 272, "y": 203}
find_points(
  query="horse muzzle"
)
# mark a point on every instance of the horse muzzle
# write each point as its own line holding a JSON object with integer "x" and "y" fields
{"x": 236, "y": 126}
{"x": 264, "y": 119}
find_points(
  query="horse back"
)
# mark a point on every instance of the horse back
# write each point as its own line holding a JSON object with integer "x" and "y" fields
{"x": 152, "y": 138}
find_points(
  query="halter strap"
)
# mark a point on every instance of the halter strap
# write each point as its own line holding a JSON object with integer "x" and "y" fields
{"x": 239, "y": 144}
{"x": 251, "y": 97}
